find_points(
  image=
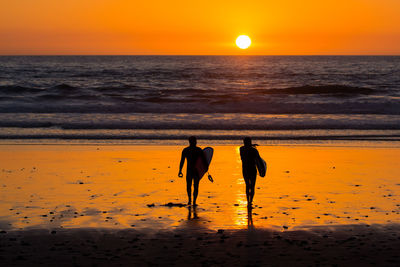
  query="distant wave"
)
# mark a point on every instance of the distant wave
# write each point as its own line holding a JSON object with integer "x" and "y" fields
{"x": 63, "y": 88}
{"x": 204, "y": 126}
{"x": 321, "y": 90}
{"x": 94, "y": 104}
{"x": 182, "y": 121}
{"x": 323, "y": 99}
{"x": 19, "y": 89}
{"x": 126, "y": 89}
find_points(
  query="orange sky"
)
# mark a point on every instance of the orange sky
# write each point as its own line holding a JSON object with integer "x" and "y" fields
{"x": 207, "y": 27}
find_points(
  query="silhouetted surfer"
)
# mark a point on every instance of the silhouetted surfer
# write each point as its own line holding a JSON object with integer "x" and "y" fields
{"x": 191, "y": 154}
{"x": 248, "y": 154}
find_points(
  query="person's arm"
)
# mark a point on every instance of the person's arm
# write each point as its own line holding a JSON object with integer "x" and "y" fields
{"x": 181, "y": 164}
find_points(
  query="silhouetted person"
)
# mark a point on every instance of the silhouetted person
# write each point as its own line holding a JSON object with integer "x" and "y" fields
{"x": 248, "y": 154}
{"x": 192, "y": 153}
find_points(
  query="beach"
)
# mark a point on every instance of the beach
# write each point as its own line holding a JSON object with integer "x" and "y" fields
{"x": 106, "y": 205}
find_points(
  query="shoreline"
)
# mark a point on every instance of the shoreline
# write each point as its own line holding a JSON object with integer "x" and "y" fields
{"x": 202, "y": 142}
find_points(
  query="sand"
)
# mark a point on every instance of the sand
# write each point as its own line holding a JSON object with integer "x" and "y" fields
{"x": 325, "y": 246}
{"x": 111, "y": 205}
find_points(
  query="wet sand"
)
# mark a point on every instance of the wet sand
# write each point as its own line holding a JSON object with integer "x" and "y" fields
{"x": 111, "y": 205}
{"x": 357, "y": 245}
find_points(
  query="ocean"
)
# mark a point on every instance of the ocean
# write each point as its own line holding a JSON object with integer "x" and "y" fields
{"x": 150, "y": 99}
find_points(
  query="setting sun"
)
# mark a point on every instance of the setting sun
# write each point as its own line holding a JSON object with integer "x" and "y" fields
{"x": 243, "y": 41}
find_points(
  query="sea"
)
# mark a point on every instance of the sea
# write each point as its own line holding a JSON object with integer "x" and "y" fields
{"x": 165, "y": 99}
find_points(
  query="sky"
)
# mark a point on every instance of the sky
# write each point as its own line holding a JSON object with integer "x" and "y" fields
{"x": 207, "y": 27}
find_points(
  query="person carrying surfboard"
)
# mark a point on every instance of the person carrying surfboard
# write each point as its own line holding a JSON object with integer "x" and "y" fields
{"x": 249, "y": 155}
{"x": 192, "y": 153}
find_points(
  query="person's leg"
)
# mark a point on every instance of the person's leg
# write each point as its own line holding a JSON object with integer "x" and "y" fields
{"x": 246, "y": 180}
{"x": 189, "y": 189}
{"x": 195, "y": 189}
{"x": 252, "y": 188}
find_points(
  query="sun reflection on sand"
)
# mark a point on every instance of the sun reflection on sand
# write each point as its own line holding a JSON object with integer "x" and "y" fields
{"x": 240, "y": 211}
{"x": 136, "y": 187}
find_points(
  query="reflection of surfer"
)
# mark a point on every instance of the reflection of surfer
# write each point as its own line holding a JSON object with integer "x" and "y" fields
{"x": 191, "y": 154}
{"x": 250, "y": 224}
{"x": 190, "y": 217}
{"x": 249, "y": 154}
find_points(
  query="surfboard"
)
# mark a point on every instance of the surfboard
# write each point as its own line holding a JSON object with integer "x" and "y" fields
{"x": 261, "y": 166}
{"x": 201, "y": 169}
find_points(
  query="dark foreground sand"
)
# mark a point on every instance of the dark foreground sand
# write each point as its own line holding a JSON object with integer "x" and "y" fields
{"x": 357, "y": 245}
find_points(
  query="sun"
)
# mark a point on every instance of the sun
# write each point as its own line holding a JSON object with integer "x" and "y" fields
{"x": 243, "y": 41}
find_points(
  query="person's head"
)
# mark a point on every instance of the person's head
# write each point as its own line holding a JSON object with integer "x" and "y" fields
{"x": 247, "y": 141}
{"x": 192, "y": 141}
